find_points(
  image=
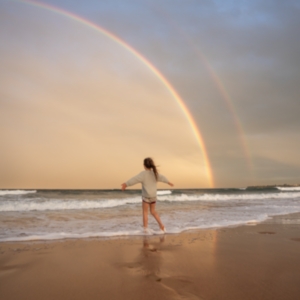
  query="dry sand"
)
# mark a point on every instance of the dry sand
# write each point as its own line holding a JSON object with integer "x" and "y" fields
{"x": 247, "y": 262}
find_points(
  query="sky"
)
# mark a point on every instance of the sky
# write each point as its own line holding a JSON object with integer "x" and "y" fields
{"x": 209, "y": 89}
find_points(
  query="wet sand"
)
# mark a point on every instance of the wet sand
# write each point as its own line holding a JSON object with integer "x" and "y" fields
{"x": 247, "y": 262}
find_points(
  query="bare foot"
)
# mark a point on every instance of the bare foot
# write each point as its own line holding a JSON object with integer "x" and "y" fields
{"x": 146, "y": 230}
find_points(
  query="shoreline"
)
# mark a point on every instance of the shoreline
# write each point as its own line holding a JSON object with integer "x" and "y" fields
{"x": 243, "y": 262}
{"x": 57, "y": 215}
{"x": 138, "y": 236}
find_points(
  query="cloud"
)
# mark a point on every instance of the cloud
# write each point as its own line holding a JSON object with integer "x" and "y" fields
{"x": 272, "y": 172}
{"x": 86, "y": 118}
{"x": 252, "y": 46}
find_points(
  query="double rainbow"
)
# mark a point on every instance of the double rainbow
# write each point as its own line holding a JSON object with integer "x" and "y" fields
{"x": 139, "y": 56}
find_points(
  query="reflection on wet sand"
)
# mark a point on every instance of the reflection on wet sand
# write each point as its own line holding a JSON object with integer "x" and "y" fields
{"x": 152, "y": 261}
{"x": 150, "y": 257}
{"x": 246, "y": 262}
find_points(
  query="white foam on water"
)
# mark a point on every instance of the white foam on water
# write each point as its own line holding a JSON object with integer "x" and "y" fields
{"x": 175, "y": 223}
{"x": 69, "y": 235}
{"x": 229, "y": 197}
{"x": 288, "y": 189}
{"x": 170, "y": 230}
{"x": 57, "y": 204}
{"x": 166, "y": 192}
{"x": 41, "y": 218}
{"x": 16, "y": 192}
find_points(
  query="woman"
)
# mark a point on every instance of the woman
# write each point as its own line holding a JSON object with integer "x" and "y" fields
{"x": 148, "y": 179}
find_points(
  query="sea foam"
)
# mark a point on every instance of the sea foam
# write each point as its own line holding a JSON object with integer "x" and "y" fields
{"x": 66, "y": 204}
{"x": 57, "y": 214}
{"x": 15, "y": 192}
{"x": 55, "y": 204}
{"x": 230, "y": 197}
{"x": 166, "y": 192}
{"x": 288, "y": 189}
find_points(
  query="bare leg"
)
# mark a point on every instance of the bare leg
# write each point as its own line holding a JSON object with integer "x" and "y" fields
{"x": 145, "y": 214}
{"x": 156, "y": 216}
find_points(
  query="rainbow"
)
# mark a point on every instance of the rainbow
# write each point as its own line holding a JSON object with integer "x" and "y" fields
{"x": 158, "y": 74}
{"x": 226, "y": 97}
{"x": 217, "y": 81}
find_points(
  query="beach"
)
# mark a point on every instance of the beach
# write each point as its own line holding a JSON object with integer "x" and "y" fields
{"x": 149, "y": 150}
{"x": 253, "y": 261}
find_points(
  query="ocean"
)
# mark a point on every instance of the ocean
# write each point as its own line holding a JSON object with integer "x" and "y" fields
{"x": 28, "y": 215}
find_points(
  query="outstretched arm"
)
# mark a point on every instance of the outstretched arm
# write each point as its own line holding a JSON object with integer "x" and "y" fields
{"x": 164, "y": 179}
{"x": 134, "y": 180}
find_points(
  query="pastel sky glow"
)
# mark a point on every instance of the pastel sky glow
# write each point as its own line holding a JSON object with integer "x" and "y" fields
{"x": 78, "y": 110}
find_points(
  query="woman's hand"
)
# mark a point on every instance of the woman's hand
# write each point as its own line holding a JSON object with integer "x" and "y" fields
{"x": 170, "y": 183}
{"x": 124, "y": 186}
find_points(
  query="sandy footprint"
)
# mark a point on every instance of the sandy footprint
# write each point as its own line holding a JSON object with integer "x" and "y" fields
{"x": 6, "y": 272}
{"x": 10, "y": 269}
{"x": 182, "y": 286}
{"x": 130, "y": 266}
{"x": 296, "y": 239}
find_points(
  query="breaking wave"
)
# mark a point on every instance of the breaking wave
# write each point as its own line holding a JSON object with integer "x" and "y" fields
{"x": 57, "y": 204}
{"x": 288, "y": 189}
{"x": 16, "y": 192}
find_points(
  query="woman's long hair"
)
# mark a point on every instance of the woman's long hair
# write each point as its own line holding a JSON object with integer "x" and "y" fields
{"x": 149, "y": 164}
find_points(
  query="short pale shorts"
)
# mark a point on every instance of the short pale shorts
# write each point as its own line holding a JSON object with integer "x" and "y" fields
{"x": 149, "y": 200}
